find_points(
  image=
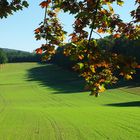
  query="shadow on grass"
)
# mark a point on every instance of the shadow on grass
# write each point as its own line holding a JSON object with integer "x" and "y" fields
{"x": 135, "y": 82}
{"x": 125, "y": 104}
{"x": 124, "y": 83}
{"x": 62, "y": 81}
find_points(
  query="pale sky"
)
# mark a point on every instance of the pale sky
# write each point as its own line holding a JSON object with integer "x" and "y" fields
{"x": 17, "y": 31}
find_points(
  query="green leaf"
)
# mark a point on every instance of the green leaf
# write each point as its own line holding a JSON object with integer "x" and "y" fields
{"x": 81, "y": 65}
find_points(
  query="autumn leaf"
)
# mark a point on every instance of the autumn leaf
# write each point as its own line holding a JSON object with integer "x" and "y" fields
{"x": 101, "y": 80}
{"x": 116, "y": 35}
{"x": 92, "y": 68}
{"x": 73, "y": 34}
{"x": 74, "y": 39}
{"x": 103, "y": 11}
{"x": 45, "y": 3}
{"x": 37, "y": 30}
{"x": 81, "y": 57}
{"x": 110, "y": 8}
{"x": 100, "y": 30}
{"x": 101, "y": 88}
{"x": 128, "y": 77}
{"x": 138, "y": 66}
{"x": 39, "y": 51}
{"x": 120, "y": 3}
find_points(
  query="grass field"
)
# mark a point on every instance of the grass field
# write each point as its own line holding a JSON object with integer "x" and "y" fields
{"x": 45, "y": 102}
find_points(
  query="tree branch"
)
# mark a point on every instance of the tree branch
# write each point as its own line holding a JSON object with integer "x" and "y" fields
{"x": 94, "y": 19}
{"x": 45, "y": 13}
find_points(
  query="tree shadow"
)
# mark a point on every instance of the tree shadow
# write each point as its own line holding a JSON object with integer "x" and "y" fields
{"x": 61, "y": 80}
{"x": 125, "y": 104}
{"x": 135, "y": 82}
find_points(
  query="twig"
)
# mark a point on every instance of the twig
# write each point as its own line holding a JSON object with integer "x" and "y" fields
{"x": 97, "y": 34}
{"x": 94, "y": 19}
{"x": 45, "y": 13}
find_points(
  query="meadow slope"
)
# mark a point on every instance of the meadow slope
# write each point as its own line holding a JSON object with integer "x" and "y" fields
{"x": 45, "y": 102}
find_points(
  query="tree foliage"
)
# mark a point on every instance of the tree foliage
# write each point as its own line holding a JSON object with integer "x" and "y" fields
{"x": 7, "y": 8}
{"x": 3, "y": 57}
{"x": 95, "y": 64}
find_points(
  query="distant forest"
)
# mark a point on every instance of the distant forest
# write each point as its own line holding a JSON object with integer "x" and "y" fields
{"x": 119, "y": 46}
{"x": 14, "y": 56}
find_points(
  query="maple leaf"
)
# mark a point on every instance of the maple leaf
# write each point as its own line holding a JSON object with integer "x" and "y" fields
{"x": 117, "y": 36}
{"x": 101, "y": 88}
{"x": 45, "y": 3}
{"x": 39, "y": 51}
{"x": 37, "y": 30}
{"x": 100, "y": 30}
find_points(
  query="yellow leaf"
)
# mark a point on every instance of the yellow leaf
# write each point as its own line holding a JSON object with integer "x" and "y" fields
{"x": 92, "y": 68}
{"x": 101, "y": 88}
{"x": 128, "y": 77}
{"x": 57, "y": 10}
{"x": 109, "y": 31}
{"x": 110, "y": 8}
{"x": 120, "y": 3}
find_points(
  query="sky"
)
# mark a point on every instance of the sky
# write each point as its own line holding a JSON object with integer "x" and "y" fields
{"x": 17, "y": 31}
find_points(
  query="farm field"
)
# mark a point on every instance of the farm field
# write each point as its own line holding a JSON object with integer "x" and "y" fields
{"x": 45, "y": 102}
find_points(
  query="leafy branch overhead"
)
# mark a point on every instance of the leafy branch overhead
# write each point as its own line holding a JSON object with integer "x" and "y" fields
{"x": 97, "y": 65}
{"x": 7, "y": 8}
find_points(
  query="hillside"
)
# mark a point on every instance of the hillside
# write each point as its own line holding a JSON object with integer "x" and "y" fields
{"x": 20, "y": 56}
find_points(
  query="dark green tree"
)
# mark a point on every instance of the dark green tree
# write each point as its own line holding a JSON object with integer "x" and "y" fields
{"x": 3, "y": 57}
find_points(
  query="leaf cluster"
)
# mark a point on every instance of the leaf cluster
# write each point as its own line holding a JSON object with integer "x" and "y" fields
{"x": 7, "y": 8}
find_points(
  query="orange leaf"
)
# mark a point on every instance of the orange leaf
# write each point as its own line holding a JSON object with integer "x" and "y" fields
{"x": 100, "y": 30}
{"x": 45, "y": 3}
{"x": 117, "y": 36}
{"x": 103, "y": 11}
{"x": 138, "y": 66}
{"x": 73, "y": 34}
{"x": 74, "y": 39}
{"x": 37, "y": 30}
{"x": 81, "y": 57}
{"x": 101, "y": 80}
{"x": 38, "y": 51}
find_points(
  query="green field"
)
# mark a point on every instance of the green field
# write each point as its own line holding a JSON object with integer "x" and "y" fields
{"x": 45, "y": 102}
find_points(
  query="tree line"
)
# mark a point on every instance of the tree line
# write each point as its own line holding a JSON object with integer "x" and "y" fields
{"x": 13, "y": 56}
{"x": 130, "y": 48}
{"x": 119, "y": 46}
